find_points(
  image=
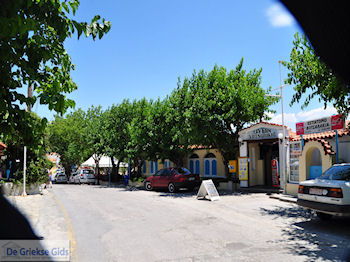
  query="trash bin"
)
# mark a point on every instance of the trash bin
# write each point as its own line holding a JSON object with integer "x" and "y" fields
{"x": 126, "y": 180}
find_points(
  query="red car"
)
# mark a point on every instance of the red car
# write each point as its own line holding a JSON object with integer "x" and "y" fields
{"x": 172, "y": 178}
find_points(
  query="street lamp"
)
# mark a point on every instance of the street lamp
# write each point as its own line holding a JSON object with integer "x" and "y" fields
{"x": 282, "y": 136}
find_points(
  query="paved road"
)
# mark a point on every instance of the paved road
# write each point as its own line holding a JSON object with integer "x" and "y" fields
{"x": 113, "y": 224}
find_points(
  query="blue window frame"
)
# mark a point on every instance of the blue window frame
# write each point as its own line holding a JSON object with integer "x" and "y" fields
{"x": 213, "y": 167}
{"x": 197, "y": 169}
{"x": 192, "y": 166}
{"x": 207, "y": 167}
{"x": 151, "y": 167}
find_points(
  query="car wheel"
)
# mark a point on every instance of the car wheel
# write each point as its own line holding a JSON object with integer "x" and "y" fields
{"x": 148, "y": 186}
{"x": 171, "y": 188}
{"x": 323, "y": 216}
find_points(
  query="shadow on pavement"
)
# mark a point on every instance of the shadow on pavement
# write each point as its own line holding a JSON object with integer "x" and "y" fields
{"x": 309, "y": 236}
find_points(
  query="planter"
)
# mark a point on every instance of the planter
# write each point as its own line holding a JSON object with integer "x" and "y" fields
{"x": 135, "y": 184}
{"x": 11, "y": 189}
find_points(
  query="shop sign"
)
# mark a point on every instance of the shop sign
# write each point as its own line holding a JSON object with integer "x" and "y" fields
{"x": 232, "y": 166}
{"x": 275, "y": 178}
{"x": 208, "y": 190}
{"x": 320, "y": 125}
{"x": 243, "y": 168}
{"x": 262, "y": 133}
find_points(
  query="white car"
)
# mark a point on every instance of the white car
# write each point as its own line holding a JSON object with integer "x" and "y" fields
{"x": 85, "y": 176}
{"x": 71, "y": 178}
{"x": 328, "y": 195}
{"x": 61, "y": 178}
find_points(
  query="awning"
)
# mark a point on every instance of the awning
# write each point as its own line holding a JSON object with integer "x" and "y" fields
{"x": 105, "y": 161}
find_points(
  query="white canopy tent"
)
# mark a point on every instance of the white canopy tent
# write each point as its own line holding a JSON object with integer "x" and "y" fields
{"x": 105, "y": 161}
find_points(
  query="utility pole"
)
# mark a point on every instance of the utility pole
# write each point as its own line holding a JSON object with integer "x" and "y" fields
{"x": 284, "y": 157}
{"x": 29, "y": 108}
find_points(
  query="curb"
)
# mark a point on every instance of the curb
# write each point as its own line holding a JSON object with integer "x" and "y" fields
{"x": 285, "y": 199}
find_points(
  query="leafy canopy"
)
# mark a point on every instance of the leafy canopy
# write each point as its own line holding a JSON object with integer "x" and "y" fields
{"x": 32, "y": 54}
{"x": 313, "y": 78}
{"x": 216, "y": 105}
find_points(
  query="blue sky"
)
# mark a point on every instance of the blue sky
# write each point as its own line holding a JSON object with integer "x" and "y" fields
{"x": 154, "y": 42}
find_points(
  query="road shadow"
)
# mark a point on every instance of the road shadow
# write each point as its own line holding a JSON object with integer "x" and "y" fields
{"x": 186, "y": 193}
{"x": 309, "y": 236}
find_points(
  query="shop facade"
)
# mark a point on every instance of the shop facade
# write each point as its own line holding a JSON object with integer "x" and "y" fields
{"x": 260, "y": 151}
{"x": 304, "y": 156}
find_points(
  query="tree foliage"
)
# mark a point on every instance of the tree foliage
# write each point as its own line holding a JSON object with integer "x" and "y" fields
{"x": 216, "y": 105}
{"x": 32, "y": 35}
{"x": 67, "y": 137}
{"x": 209, "y": 109}
{"x": 313, "y": 78}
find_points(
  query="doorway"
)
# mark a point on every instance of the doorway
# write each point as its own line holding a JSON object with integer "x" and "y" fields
{"x": 268, "y": 152}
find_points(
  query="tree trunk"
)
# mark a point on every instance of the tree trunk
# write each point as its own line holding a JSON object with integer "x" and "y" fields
{"x": 97, "y": 163}
{"x": 117, "y": 170}
{"x": 98, "y": 173}
{"x": 113, "y": 172}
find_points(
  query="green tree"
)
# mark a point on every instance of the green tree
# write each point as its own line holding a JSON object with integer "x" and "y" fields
{"x": 116, "y": 133}
{"x": 168, "y": 136}
{"x": 216, "y": 105}
{"x": 67, "y": 137}
{"x": 313, "y": 78}
{"x": 35, "y": 139}
{"x": 94, "y": 135}
{"x": 32, "y": 53}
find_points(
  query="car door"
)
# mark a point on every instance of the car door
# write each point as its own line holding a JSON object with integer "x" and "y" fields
{"x": 156, "y": 178}
{"x": 164, "y": 178}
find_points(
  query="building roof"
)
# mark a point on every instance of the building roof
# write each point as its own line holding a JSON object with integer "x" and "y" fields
{"x": 265, "y": 123}
{"x": 199, "y": 147}
{"x": 322, "y": 135}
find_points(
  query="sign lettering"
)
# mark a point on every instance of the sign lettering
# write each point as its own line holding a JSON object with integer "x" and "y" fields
{"x": 320, "y": 125}
{"x": 208, "y": 190}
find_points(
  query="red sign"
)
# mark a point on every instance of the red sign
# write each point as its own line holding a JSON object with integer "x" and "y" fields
{"x": 300, "y": 128}
{"x": 320, "y": 125}
{"x": 337, "y": 122}
{"x": 275, "y": 177}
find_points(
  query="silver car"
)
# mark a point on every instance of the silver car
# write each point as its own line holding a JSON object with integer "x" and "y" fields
{"x": 61, "y": 178}
{"x": 85, "y": 176}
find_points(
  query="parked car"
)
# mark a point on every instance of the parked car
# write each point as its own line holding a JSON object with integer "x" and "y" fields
{"x": 61, "y": 178}
{"x": 172, "y": 178}
{"x": 85, "y": 176}
{"x": 328, "y": 195}
{"x": 71, "y": 178}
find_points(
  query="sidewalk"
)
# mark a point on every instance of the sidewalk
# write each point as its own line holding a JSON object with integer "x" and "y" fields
{"x": 46, "y": 215}
{"x": 284, "y": 198}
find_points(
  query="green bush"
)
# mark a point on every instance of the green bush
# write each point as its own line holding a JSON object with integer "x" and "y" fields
{"x": 37, "y": 171}
{"x": 137, "y": 179}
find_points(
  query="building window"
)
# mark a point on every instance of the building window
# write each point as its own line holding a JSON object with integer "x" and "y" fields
{"x": 210, "y": 165}
{"x": 153, "y": 166}
{"x": 166, "y": 163}
{"x": 294, "y": 154}
{"x": 144, "y": 167}
{"x": 194, "y": 164}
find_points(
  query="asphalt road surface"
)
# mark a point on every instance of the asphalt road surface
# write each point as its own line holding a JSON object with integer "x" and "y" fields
{"x": 114, "y": 224}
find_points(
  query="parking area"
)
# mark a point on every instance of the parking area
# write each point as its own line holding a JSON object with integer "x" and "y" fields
{"x": 115, "y": 224}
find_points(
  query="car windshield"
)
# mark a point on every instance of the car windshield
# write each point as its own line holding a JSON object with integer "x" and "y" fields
{"x": 337, "y": 173}
{"x": 183, "y": 171}
{"x": 87, "y": 171}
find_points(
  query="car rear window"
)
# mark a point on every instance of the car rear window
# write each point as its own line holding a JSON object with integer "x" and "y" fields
{"x": 183, "y": 171}
{"x": 337, "y": 173}
{"x": 88, "y": 171}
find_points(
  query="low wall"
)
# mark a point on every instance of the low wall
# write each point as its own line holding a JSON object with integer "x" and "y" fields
{"x": 292, "y": 189}
{"x": 11, "y": 189}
